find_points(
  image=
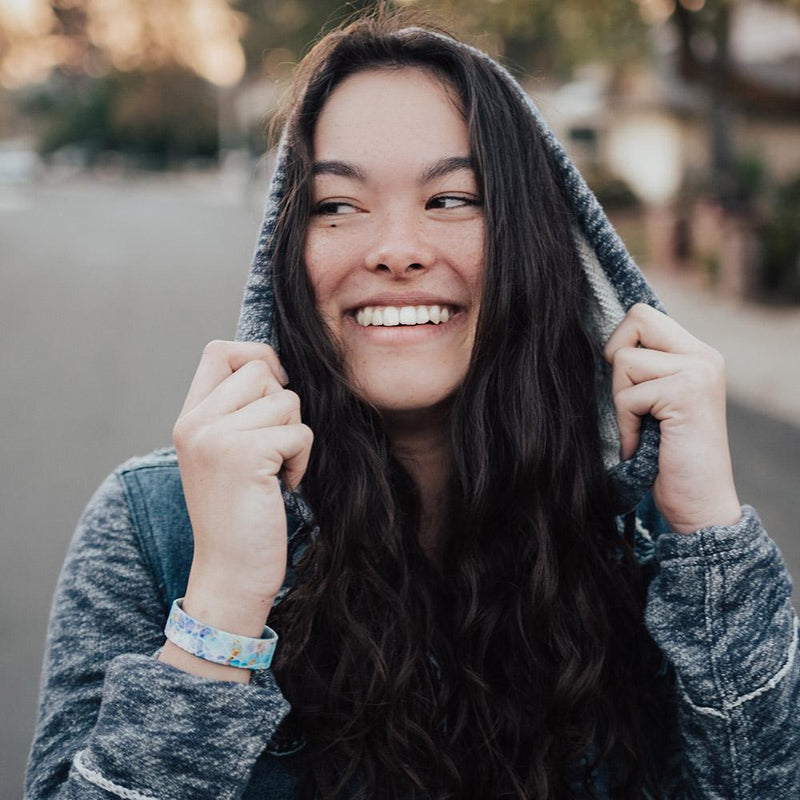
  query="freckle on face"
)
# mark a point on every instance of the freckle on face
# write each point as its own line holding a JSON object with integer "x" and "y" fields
{"x": 392, "y": 125}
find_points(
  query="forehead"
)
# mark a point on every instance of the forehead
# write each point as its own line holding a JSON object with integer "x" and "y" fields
{"x": 396, "y": 114}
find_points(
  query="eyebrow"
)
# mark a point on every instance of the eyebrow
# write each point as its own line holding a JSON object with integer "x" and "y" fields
{"x": 440, "y": 168}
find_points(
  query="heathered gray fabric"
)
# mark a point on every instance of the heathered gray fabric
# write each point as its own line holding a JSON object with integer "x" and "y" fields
{"x": 718, "y": 607}
{"x": 140, "y": 723}
{"x": 114, "y": 722}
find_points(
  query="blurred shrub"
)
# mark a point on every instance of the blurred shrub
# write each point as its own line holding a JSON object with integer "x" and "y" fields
{"x": 750, "y": 174}
{"x": 613, "y": 193}
{"x": 780, "y": 246}
{"x": 160, "y": 117}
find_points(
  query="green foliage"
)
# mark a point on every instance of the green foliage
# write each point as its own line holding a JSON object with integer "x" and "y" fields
{"x": 542, "y": 37}
{"x": 750, "y": 173}
{"x": 289, "y": 26}
{"x": 551, "y": 37}
{"x": 613, "y": 193}
{"x": 780, "y": 242}
{"x": 160, "y": 117}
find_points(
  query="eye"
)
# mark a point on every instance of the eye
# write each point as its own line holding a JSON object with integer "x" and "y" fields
{"x": 334, "y": 208}
{"x": 447, "y": 201}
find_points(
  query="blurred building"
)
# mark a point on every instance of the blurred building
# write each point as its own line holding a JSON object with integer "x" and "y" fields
{"x": 652, "y": 128}
{"x": 655, "y": 128}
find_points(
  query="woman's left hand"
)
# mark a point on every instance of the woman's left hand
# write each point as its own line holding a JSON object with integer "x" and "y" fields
{"x": 661, "y": 369}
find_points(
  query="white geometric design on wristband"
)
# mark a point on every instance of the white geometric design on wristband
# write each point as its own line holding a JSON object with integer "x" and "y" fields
{"x": 220, "y": 647}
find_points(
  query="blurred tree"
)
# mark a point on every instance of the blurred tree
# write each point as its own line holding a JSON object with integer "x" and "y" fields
{"x": 94, "y": 37}
{"x": 159, "y": 118}
{"x": 704, "y": 59}
{"x": 543, "y": 36}
{"x": 220, "y": 40}
{"x": 780, "y": 242}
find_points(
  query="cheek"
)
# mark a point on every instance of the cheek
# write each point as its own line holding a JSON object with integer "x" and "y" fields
{"x": 471, "y": 260}
{"x": 326, "y": 263}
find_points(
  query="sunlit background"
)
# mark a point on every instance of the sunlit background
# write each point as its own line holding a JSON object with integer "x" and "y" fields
{"x": 134, "y": 159}
{"x": 661, "y": 102}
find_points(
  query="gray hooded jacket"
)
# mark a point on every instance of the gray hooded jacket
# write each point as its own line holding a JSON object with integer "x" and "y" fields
{"x": 115, "y": 722}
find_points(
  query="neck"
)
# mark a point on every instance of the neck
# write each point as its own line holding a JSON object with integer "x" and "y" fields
{"x": 422, "y": 446}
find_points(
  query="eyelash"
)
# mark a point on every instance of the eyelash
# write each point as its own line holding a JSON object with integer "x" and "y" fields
{"x": 467, "y": 201}
{"x": 320, "y": 209}
{"x": 323, "y": 208}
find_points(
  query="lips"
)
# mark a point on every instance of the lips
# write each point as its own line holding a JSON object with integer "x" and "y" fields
{"x": 391, "y": 316}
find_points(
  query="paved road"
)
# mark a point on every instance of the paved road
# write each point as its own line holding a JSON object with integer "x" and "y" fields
{"x": 108, "y": 292}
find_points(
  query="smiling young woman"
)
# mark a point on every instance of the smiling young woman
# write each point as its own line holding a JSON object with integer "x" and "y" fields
{"x": 397, "y": 226}
{"x": 517, "y": 566}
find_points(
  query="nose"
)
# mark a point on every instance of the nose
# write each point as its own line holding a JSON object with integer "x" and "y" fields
{"x": 400, "y": 246}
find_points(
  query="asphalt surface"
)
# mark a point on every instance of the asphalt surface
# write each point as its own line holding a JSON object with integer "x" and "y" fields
{"x": 108, "y": 292}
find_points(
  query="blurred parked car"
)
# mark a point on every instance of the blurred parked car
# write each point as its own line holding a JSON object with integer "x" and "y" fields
{"x": 19, "y": 162}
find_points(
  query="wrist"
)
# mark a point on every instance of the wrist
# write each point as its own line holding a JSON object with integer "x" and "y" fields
{"x": 723, "y": 515}
{"x": 220, "y": 603}
{"x": 186, "y": 662}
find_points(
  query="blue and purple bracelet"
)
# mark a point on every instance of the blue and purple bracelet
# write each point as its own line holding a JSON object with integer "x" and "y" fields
{"x": 220, "y": 647}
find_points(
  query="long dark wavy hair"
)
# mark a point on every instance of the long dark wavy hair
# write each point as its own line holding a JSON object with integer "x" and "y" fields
{"x": 521, "y": 665}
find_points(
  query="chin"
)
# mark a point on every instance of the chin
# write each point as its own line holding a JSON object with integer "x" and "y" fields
{"x": 403, "y": 397}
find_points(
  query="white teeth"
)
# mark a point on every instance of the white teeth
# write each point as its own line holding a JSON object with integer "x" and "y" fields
{"x": 391, "y": 316}
{"x": 406, "y": 315}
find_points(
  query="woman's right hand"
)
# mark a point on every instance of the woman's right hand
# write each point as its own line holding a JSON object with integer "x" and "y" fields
{"x": 238, "y": 430}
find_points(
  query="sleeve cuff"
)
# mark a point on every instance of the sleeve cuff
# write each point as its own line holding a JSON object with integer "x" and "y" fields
{"x": 166, "y": 733}
{"x": 716, "y": 542}
{"x": 719, "y": 608}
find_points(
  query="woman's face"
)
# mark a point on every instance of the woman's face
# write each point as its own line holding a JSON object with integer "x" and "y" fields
{"x": 395, "y": 247}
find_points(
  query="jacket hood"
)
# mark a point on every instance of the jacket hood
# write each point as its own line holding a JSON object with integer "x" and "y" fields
{"x": 615, "y": 280}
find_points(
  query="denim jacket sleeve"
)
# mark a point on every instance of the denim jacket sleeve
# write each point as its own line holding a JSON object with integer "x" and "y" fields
{"x": 719, "y": 608}
{"x": 114, "y": 721}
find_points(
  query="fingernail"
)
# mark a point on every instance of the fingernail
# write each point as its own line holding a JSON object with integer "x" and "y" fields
{"x": 284, "y": 376}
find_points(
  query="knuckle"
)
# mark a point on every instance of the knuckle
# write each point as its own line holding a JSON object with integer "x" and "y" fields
{"x": 259, "y": 368}
{"x": 266, "y": 348}
{"x": 183, "y": 431}
{"x": 292, "y": 399}
{"x": 307, "y": 433}
{"x": 179, "y": 433}
{"x": 257, "y": 372}
{"x": 215, "y": 347}
{"x": 710, "y": 368}
{"x": 623, "y": 356}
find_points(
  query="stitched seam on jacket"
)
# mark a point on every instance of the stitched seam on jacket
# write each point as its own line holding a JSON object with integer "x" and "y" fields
{"x": 94, "y": 777}
{"x": 708, "y": 610}
{"x": 770, "y": 684}
{"x": 777, "y": 677}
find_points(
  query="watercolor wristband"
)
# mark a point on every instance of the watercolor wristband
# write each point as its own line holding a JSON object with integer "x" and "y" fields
{"x": 219, "y": 647}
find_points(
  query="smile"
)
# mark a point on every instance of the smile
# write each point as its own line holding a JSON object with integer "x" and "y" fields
{"x": 390, "y": 316}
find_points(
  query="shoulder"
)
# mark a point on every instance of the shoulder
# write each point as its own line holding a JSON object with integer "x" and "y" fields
{"x": 150, "y": 487}
{"x": 159, "y": 458}
{"x": 138, "y": 516}
{"x": 154, "y": 492}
